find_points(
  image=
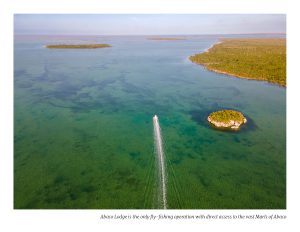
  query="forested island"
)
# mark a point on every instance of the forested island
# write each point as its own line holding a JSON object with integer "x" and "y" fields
{"x": 227, "y": 119}
{"x": 78, "y": 46}
{"x": 257, "y": 59}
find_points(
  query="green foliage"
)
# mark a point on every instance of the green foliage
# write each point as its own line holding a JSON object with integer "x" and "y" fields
{"x": 78, "y": 46}
{"x": 259, "y": 59}
{"x": 226, "y": 116}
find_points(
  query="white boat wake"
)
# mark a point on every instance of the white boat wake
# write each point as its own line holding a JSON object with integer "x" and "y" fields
{"x": 161, "y": 162}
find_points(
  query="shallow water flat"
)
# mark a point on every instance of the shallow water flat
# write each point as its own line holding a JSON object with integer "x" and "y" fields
{"x": 83, "y": 133}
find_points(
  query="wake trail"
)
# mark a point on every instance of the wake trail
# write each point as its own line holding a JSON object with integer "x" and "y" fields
{"x": 161, "y": 161}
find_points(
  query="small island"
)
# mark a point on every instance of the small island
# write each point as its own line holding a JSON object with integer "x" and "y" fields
{"x": 227, "y": 119}
{"x": 255, "y": 58}
{"x": 77, "y": 46}
{"x": 165, "y": 38}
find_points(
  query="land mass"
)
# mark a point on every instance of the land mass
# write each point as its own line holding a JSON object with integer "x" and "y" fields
{"x": 165, "y": 38}
{"x": 227, "y": 119}
{"x": 78, "y": 46}
{"x": 257, "y": 59}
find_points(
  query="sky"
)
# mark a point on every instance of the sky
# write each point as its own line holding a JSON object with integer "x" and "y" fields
{"x": 148, "y": 24}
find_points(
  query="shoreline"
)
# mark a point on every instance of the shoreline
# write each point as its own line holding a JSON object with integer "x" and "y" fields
{"x": 231, "y": 75}
{"x": 210, "y": 47}
{"x": 228, "y": 73}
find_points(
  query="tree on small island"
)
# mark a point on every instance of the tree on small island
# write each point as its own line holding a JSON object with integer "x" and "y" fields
{"x": 228, "y": 119}
{"x": 78, "y": 46}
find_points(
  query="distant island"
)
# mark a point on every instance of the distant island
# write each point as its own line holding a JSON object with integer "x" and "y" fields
{"x": 257, "y": 59}
{"x": 78, "y": 46}
{"x": 227, "y": 119}
{"x": 165, "y": 38}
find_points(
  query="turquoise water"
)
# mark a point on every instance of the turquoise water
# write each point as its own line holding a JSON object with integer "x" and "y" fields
{"x": 83, "y": 133}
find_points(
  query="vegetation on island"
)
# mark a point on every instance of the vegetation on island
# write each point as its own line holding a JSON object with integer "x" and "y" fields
{"x": 165, "y": 38}
{"x": 78, "y": 46}
{"x": 227, "y": 119}
{"x": 227, "y": 115}
{"x": 258, "y": 59}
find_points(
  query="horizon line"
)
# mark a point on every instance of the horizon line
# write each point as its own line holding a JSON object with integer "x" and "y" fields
{"x": 254, "y": 33}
